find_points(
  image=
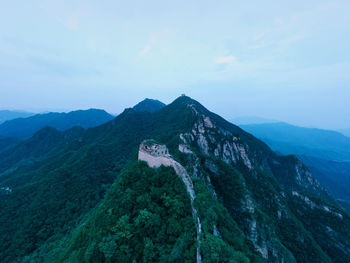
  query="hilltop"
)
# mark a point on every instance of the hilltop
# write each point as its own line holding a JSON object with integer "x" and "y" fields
{"x": 149, "y": 105}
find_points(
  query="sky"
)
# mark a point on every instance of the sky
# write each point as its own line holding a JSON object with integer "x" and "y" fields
{"x": 283, "y": 60}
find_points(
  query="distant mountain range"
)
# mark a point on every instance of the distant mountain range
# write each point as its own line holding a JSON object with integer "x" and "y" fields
{"x": 84, "y": 196}
{"x": 290, "y": 139}
{"x": 22, "y": 125}
{"x": 6, "y": 115}
{"x": 346, "y": 132}
{"x": 24, "y": 128}
{"x": 326, "y": 153}
{"x": 334, "y": 175}
{"x": 251, "y": 120}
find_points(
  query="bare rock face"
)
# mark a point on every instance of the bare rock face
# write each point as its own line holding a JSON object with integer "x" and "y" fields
{"x": 207, "y": 122}
{"x": 220, "y": 143}
{"x": 305, "y": 178}
{"x": 313, "y": 205}
{"x": 208, "y": 138}
{"x": 184, "y": 148}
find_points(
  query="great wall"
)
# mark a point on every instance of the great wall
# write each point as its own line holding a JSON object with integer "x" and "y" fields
{"x": 155, "y": 155}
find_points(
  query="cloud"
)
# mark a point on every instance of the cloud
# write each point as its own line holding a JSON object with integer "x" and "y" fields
{"x": 156, "y": 35}
{"x": 72, "y": 21}
{"x": 145, "y": 50}
{"x": 154, "y": 39}
{"x": 226, "y": 60}
{"x": 68, "y": 16}
{"x": 291, "y": 39}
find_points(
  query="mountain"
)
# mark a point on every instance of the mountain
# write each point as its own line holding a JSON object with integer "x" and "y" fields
{"x": 325, "y": 152}
{"x": 24, "y": 128}
{"x": 251, "y": 120}
{"x": 90, "y": 198}
{"x": 289, "y": 139}
{"x": 149, "y": 105}
{"x": 8, "y": 142}
{"x": 6, "y": 115}
{"x": 346, "y": 132}
{"x": 332, "y": 174}
{"x": 42, "y": 144}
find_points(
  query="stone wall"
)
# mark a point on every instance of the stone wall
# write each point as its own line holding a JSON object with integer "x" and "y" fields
{"x": 156, "y": 155}
{"x": 154, "y": 161}
{"x": 153, "y": 148}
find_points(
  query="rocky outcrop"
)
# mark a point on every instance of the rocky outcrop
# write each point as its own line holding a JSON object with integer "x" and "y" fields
{"x": 215, "y": 142}
{"x": 184, "y": 148}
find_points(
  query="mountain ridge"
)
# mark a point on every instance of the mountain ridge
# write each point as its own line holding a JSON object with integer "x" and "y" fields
{"x": 24, "y": 128}
{"x": 283, "y": 136}
{"x": 243, "y": 188}
{"x": 6, "y": 115}
{"x": 346, "y": 132}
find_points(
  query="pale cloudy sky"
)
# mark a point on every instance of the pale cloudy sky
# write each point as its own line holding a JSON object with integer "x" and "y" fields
{"x": 285, "y": 60}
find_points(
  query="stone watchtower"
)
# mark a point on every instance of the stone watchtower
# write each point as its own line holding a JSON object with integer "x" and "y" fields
{"x": 154, "y": 149}
{"x": 153, "y": 153}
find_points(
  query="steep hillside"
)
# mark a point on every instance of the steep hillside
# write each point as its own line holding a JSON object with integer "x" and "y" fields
{"x": 254, "y": 206}
{"x": 334, "y": 175}
{"x": 24, "y": 128}
{"x": 8, "y": 142}
{"x": 44, "y": 143}
{"x": 324, "y": 152}
{"x": 146, "y": 216}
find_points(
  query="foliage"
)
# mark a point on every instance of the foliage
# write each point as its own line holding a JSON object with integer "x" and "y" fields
{"x": 145, "y": 217}
{"x": 229, "y": 243}
{"x": 58, "y": 210}
{"x": 149, "y": 105}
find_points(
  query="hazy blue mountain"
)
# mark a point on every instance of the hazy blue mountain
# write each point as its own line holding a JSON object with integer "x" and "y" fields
{"x": 332, "y": 174}
{"x": 149, "y": 105}
{"x": 25, "y": 127}
{"x": 6, "y": 115}
{"x": 244, "y": 120}
{"x": 289, "y": 139}
{"x": 346, "y": 132}
{"x": 326, "y": 153}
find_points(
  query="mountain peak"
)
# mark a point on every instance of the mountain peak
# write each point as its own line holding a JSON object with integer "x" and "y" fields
{"x": 187, "y": 102}
{"x": 185, "y": 99}
{"x": 149, "y": 105}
